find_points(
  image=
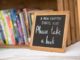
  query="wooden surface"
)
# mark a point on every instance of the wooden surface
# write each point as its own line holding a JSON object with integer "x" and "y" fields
{"x": 33, "y": 4}
{"x": 60, "y": 5}
{"x": 78, "y": 7}
{"x": 72, "y": 20}
{"x": 66, "y": 8}
{"x": 14, "y": 46}
{"x": 75, "y": 8}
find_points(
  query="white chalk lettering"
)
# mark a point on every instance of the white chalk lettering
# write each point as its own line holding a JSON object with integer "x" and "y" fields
{"x": 50, "y": 18}
{"x": 38, "y": 30}
{"x": 41, "y": 18}
{"x": 55, "y": 18}
{"x": 49, "y": 42}
{"x": 42, "y": 41}
{"x": 55, "y": 23}
{"x": 44, "y": 18}
{"x": 46, "y": 23}
{"x": 56, "y": 32}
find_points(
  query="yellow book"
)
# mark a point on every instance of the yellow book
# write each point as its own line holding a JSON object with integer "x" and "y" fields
{"x": 4, "y": 26}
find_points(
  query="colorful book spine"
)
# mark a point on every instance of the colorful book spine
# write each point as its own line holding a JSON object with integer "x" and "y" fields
{"x": 23, "y": 27}
{"x": 21, "y": 35}
{"x": 7, "y": 27}
{"x": 2, "y": 37}
{"x": 4, "y": 26}
{"x": 10, "y": 27}
{"x": 14, "y": 22}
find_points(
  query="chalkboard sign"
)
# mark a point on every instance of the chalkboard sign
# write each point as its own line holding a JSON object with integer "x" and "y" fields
{"x": 49, "y": 31}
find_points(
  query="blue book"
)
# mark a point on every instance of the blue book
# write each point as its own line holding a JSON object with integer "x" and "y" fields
{"x": 19, "y": 37}
{"x": 14, "y": 22}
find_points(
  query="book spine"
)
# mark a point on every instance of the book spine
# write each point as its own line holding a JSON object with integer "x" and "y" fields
{"x": 25, "y": 13}
{"x": 2, "y": 33}
{"x": 4, "y": 26}
{"x": 23, "y": 26}
{"x": 21, "y": 35}
{"x": 2, "y": 38}
{"x": 7, "y": 27}
{"x": 14, "y": 22}
{"x": 9, "y": 22}
{"x": 30, "y": 21}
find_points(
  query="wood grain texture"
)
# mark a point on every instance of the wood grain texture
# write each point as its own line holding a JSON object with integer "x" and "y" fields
{"x": 66, "y": 8}
{"x": 35, "y": 4}
{"x": 78, "y": 5}
{"x": 72, "y": 20}
{"x": 60, "y": 5}
{"x": 76, "y": 19}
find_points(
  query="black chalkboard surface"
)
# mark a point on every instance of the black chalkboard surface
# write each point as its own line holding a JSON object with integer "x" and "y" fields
{"x": 49, "y": 31}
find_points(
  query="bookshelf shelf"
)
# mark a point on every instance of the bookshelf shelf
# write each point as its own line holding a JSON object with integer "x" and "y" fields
{"x": 41, "y": 4}
{"x": 56, "y": 5}
{"x": 31, "y": 4}
{"x": 14, "y": 46}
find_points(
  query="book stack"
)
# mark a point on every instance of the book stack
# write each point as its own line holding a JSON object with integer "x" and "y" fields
{"x": 15, "y": 27}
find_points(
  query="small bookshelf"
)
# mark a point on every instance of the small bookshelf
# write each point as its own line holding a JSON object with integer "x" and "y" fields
{"x": 28, "y": 5}
{"x": 55, "y": 5}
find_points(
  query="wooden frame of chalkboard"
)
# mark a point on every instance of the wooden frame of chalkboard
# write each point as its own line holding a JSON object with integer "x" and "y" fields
{"x": 45, "y": 34}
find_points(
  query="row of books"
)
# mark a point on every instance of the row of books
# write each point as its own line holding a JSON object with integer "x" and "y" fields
{"x": 15, "y": 27}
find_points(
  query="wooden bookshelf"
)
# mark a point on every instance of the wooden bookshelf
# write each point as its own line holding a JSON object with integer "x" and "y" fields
{"x": 31, "y": 4}
{"x": 56, "y": 5}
